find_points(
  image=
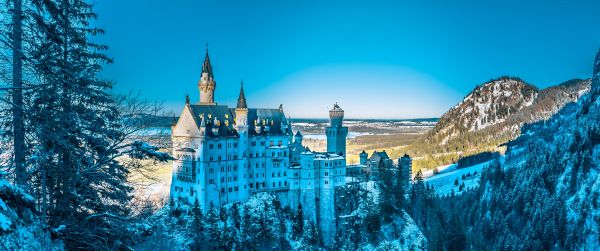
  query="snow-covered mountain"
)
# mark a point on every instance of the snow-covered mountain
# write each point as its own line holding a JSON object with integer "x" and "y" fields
{"x": 491, "y": 115}
{"x": 545, "y": 194}
{"x": 506, "y": 103}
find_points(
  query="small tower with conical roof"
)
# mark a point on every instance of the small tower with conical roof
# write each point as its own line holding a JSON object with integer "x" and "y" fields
{"x": 298, "y": 138}
{"x": 241, "y": 110}
{"x": 207, "y": 84}
{"x": 336, "y": 133}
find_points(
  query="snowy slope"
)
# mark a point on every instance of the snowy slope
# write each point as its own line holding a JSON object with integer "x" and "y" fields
{"x": 443, "y": 183}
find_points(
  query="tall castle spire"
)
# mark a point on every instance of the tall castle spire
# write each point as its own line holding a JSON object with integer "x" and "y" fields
{"x": 242, "y": 98}
{"x": 207, "y": 84}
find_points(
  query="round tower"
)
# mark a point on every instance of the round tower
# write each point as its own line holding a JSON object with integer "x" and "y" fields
{"x": 207, "y": 84}
{"x": 336, "y": 133}
{"x": 336, "y": 116}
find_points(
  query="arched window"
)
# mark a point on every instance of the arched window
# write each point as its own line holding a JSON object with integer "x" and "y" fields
{"x": 219, "y": 146}
{"x": 211, "y": 146}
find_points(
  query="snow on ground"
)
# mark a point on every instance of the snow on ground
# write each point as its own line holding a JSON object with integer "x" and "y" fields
{"x": 443, "y": 183}
{"x": 441, "y": 170}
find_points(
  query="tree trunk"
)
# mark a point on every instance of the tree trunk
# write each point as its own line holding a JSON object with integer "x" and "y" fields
{"x": 17, "y": 95}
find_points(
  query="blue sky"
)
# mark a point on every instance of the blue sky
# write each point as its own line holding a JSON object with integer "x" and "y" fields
{"x": 378, "y": 59}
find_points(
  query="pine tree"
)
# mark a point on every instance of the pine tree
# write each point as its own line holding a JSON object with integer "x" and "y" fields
{"x": 298, "y": 223}
{"x": 198, "y": 229}
{"x": 18, "y": 124}
{"x": 214, "y": 230}
{"x": 81, "y": 129}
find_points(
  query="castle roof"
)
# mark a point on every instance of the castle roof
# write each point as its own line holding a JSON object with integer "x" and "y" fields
{"x": 206, "y": 67}
{"x": 379, "y": 155}
{"x": 298, "y": 134}
{"x": 222, "y": 118}
{"x": 242, "y": 98}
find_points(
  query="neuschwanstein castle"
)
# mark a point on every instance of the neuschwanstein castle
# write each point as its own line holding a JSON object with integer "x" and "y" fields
{"x": 225, "y": 154}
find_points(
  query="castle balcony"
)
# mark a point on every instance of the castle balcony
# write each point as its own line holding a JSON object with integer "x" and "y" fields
{"x": 185, "y": 178}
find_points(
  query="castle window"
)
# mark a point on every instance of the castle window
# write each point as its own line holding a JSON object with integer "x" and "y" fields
{"x": 278, "y": 174}
{"x": 250, "y": 176}
{"x": 235, "y": 145}
{"x": 279, "y": 143}
{"x": 285, "y": 183}
{"x": 273, "y": 184}
{"x": 230, "y": 190}
{"x": 326, "y": 173}
{"x": 285, "y": 154}
{"x": 326, "y": 182}
{"x": 253, "y": 143}
{"x": 236, "y": 188}
{"x": 262, "y": 143}
{"x": 211, "y": 146}
{"x": 211, "y": 170}
{"x": 251, "y": 185}
{"x": 219, "y": 158}
{"x": 280, "y": 183}
{"x": 211, "y": 158}
{"x": 222, "y": 179}
{"x": 271, "y": 143}
{"x": 191, "y": 192}
{"x": 273, "y": 154}
{"x": 244, "y": 186}
{"x": 264, "y": 184}
{"x": 284, "y": 174}
{"x": 211, "y": 181}
{"x": 235, "y": 178}
{"x": 272, "y": 174}
{"x": 222, "y": 190}
{"x": 219, "y": 146}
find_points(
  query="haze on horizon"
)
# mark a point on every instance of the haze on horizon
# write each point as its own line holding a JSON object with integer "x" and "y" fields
{"x": 378, "y": 60}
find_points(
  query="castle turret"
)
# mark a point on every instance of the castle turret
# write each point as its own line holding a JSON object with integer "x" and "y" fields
{"x": 336, "y": 133}
{"x": 298, "y": 138}
{"x": 363, "y": 157}
{"x": 207, "y": 83}
{"x": 241, "y": 126}
{"x": 405, "y": 168}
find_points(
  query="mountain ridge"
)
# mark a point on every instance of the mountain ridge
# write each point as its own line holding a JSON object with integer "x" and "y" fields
{"x": 491, "y": 115}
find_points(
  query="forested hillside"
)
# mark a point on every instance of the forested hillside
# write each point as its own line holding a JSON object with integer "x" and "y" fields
{"x": 544, "y": 194}
{"x": 489, "y": 116}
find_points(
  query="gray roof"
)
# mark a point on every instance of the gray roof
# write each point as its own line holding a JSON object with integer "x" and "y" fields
{"x": 206, "y": 67}
{"x": 379, "y": 155}
{"x": 242, "y": 98}
{"x": 272, "y": 118}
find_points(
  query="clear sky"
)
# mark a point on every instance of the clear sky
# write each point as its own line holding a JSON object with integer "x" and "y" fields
{"x": 378, "y": 59}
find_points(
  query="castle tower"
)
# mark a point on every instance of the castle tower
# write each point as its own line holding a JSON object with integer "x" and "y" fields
{"x": 405, "y": 168}
{"x": 336, "y": 132}
{"x": 298, "y": 138}
{"x": 207, "y": 83}
{"x": 241, "y": 126}
{"x": 363, "y": 158}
